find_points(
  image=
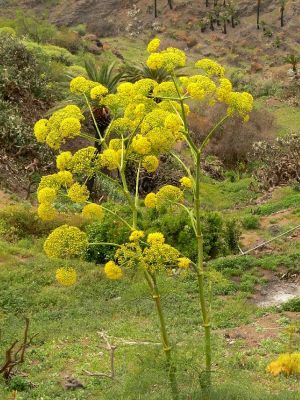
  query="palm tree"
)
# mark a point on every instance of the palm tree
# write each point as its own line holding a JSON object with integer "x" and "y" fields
{"x": 232, "y": 13}
{"x": 293, "y": 60}
{"x": 135, "y": 72}
{"x": 257, "y": 13}
{"x": 282, "y": 8}
{"x": 106, "y": 73}
{"x": 211, "y": 17}
{"x": 224, "y": 18}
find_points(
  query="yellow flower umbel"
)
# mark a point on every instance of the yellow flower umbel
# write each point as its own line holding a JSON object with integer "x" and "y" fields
{"x": 66, "y": 276}
{"x": 286, "y": 364}
{"x": 113, "y": 271}
{"x": 80, "y": 85}
{"x": 66, "y": 242}
{"x": 212, "y": 68}
{"x": 155, "y": 238}
{"x": 168, "y": 194}
{"x": 136, "y": 235}
{"x": 184, "y": 262}
{"x": 186, "y": 182}
{"x": 92, "y": 212}
{"x": 168, "y": 59}
{"x": 110, "y": 159}
{"x": 46, "y": 195}
{"x": 150, "y": 163}
{"x": 78, "y": 193}
{"x": 41, "y": 130}
{"x": 98, "y": 92}
{"x": 70, "y": 127}
{"x": 240, "y": 103}
{"x": 83, "y": 161}
{"x": 46, "y": 212}
{"x": 150, "y": 200}
{"x": 153, "y": 45}
{"x": 63, "y": 160}
{"x": 141, "y": 145}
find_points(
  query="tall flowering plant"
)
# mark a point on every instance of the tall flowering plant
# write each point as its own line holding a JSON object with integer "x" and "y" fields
{"x": 147, "y": 120}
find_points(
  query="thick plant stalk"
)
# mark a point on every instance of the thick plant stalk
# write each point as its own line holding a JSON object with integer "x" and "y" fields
{"x": 200, "y": 277}
{"x": 171, "y": 371}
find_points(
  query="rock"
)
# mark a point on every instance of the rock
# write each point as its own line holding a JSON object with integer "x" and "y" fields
{"x": 256, "y": 67}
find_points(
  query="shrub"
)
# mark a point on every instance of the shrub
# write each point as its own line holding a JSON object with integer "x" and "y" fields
{"x": 278, "y": 161}
{"x": 292, "y": 305}
{"x": 51, "y": 52}
{"x": 235, "y": 139}
{"x": 251, "y": 222}
{"x": 36, "y": 29}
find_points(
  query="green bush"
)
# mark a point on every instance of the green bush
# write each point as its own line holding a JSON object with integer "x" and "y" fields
{"x": 176, "y": 227}
{"x": 34, "y": 28}
{"x": 55, "y": 53}
{"x": 7, "y": 30}
{"x": 251, "y": 222}
{"x": 110, "y": 229}
{"x": 292, "y": 305}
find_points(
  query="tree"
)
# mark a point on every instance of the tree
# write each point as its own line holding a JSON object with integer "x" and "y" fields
{"x": 258, "y": 13}
{"x": 155, "y": 9}
{"x": 224, "y": 19}
{"x": 232, "y": 13}
{"x": 170, "y": 3}
{"x": 282, "y": 8}
{"x": 293, "y": 60}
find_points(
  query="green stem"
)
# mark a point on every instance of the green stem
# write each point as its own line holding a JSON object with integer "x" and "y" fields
{"x": 130, "y": 199}
{"x": 150, "y": 278}
{"x": 200, "y": 277}
{"x": 118, "y": 216}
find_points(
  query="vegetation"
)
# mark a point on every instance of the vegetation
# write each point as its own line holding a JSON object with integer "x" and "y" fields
{"x": 165, "y": 195}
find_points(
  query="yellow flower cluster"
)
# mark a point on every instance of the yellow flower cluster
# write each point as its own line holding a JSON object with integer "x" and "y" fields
{"x": 98, "y": 92}
{"x": 165, "y": 89}
{"x": 150, "y": 200}
{"x": 64, "y": 123}
{"x": 83, "y": 161}
{"x": 169, "y": 194}
{"x": 184, "y": 262}
{"x": 168, "y": 59}
{"x": 241, "y": 104}
{"x": 155, "y": 238}
{"x": 81, "y": 85}
{"x": 150, "y": 163}
{"x": 113, "y": 271}
{"x": 186, "y": 182}
{"x": 212, "y": 68}
{"x": 153, "y": 45}
{"x": 46, "y": 198}
{"x": 286, "y": 364}
{"x": 66, "y": 276}
{"x": 224, "y": 90}
{"x": 66, "y": 242}
{"x": 46, "y": 212}
{"x": 110, "y": 159}
{"x": 136, "y": 235}
{"x": 141, "y": 145}
{"x": 200, "y": 87}
{"x": 92, "y": 212}
{"x": 122, "y": 126}
{"x": 78, "y": 193}
{"x": 63, "y": 160}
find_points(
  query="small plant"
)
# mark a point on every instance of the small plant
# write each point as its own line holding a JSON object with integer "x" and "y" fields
{"x": 251, "y": 222}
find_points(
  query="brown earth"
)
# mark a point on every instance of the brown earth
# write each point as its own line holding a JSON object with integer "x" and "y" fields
{"x": 266, "y": 327}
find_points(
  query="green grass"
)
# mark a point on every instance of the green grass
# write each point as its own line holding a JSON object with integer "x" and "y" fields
{"x": 67, "y": 321}
{"x": 284, "y": 198}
